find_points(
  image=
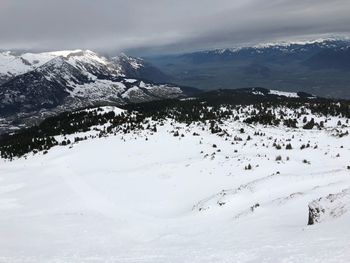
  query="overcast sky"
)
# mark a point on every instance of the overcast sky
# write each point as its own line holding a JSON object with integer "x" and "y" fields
{"x": 161, "y": 26}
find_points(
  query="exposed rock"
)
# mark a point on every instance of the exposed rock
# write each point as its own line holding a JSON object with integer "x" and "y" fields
{"x": 331, "y": 206}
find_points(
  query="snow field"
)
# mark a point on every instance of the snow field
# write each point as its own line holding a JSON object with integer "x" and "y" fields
{"x": 153, "y": 197}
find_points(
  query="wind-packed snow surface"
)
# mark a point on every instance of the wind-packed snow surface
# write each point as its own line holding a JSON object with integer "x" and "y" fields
{"x": 154, "y": 197}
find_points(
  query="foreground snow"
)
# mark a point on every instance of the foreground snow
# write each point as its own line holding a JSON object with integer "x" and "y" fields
{"x": 158, "y": 198}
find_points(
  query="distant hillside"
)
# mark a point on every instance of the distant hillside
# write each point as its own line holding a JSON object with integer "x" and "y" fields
{"x": 331, "y": 59}
{"x": 320, "y": 67}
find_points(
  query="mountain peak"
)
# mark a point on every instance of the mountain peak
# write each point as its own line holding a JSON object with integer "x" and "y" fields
{"x": 65, "y": 53}
{"x": 135, "y": 63}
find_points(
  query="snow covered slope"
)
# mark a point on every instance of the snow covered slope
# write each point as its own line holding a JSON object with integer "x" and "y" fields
{"x": 12, "y": 65}
{"x": 180, "y": 193}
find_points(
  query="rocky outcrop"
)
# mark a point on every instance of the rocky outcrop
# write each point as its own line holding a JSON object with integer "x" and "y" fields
{"x": 331, "y": 206}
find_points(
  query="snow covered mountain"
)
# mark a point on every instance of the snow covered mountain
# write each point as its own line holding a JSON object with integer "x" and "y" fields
{"x": 261, "y": 179}
{"x": 140, "y": 69}
{"x": 66, "y": 81}
{"x": 47, "y": 83}
{"x": 12, "y": 64}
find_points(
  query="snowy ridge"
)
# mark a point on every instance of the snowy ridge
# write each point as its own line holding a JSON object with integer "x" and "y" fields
{"x": 12, "y": 65}
{"x": 323, "y": 41}
{"x": 104, "y": 110}
{"x": 285, "y": 94}
{"x": 279, "y": 93}
{"x": 135, "y": 63}
{"x": 285, "y": 46}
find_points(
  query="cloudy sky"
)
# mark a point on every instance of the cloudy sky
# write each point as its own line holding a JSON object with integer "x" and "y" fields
{"x": 162, "y": 26}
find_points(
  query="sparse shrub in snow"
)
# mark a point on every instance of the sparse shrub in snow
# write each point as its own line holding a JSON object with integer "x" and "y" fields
{"x": 278, "y": 147}
{"x": 248, "y": 167}
{"x": 309, "y": 125}
{"x": 236, "y": 138}
{"x": 137, "y": 118}
{"x": 254, "y": 207}
{"x": 279, "y": 158}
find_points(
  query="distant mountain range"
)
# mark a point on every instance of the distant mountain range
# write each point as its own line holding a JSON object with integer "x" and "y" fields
{"x": 36, "y": 85}
{"x": 320, "y": 67}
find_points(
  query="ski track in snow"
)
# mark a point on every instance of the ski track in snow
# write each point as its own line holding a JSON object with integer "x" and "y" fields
{"x": 125, "y": 199}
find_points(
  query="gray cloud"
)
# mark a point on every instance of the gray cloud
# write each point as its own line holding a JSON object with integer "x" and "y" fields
{"x": 145, "y": 26}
